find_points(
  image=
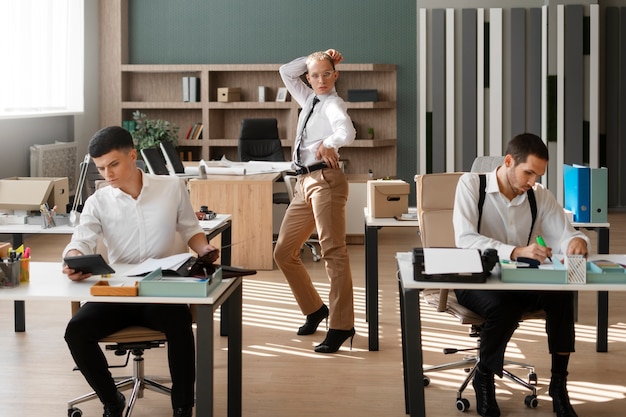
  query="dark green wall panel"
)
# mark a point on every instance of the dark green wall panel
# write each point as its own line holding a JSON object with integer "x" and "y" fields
{"x": 275, "y": 31}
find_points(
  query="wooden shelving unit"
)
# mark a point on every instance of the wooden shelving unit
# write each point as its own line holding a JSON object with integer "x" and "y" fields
{"x": 156, "y": 90}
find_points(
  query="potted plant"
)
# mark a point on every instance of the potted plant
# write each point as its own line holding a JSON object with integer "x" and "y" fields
{"x": 149, "y": 133}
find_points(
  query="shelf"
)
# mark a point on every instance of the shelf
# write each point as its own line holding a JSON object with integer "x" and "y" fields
{"x": 156, "y": 90}
{"x": 372, "y": 143}
{"x": 256, "y": 105}
{"x": 161, "y": 105}
{"x": 370, "y": 105}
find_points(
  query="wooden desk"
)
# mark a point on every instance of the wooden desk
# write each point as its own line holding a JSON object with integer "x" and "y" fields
{"x": 249, "y": 200}
{"x": 47, "y": 282}
{"x": 222, "y": 227}
{"x": 373, "y": 224}
{"x": 411, "y": 322}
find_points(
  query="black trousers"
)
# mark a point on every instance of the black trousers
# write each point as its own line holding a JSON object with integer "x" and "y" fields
{"x": 94, "y": 321}
{"x": 502, "y": 311}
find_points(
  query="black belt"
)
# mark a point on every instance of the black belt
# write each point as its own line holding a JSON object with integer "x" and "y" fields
{"x": 311, "y": 168}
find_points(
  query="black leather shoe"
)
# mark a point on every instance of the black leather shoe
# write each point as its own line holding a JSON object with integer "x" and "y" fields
{"x": 485, "y": 389}
{"x": 182, "y": 412}
{"x": 313, "y": 320}
{"x": 560, "y": 398}
{"x": 334, "y": 340}
{"x": 115, "y": 409}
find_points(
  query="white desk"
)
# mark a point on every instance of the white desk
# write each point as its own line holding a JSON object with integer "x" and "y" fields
{"x": 220, "y": 225}
{"x": 373, "y": 224}
{"x": 47, "y": 282}
{"x": 411, "y": 322}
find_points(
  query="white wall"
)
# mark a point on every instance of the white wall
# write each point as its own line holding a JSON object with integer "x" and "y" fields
{"x": 17, "y": 135}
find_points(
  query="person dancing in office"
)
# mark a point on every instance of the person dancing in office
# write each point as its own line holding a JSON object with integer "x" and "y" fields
{"x": 320, "y": 198}
{"x": 508, "y": 225}
{"x": 137, "y": 216}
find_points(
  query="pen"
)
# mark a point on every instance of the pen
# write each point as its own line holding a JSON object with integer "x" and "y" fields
{"x": 542, "y": 243}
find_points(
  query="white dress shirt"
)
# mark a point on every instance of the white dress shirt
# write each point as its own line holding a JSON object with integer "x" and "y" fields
{"x": 506, "y": 224}
{"x": 329, "y": 122}
{"x": 134, "y": 230}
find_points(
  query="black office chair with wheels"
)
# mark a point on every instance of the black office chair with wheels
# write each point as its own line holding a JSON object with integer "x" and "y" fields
{"x": 259, "y": 141}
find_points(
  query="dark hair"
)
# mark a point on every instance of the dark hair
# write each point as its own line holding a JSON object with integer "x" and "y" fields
{"x": 526, "y": 144}
{"x": 109, "y": 139}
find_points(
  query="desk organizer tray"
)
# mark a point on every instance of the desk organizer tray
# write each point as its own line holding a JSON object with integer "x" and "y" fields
{"x": 155, "y": 284}
{"x": 104, "y": 288}
{"x": 596, "y": 275}
{"x": 558, "y": 275}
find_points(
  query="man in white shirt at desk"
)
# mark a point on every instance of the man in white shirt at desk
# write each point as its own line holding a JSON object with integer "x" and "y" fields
{"x": 137, "y": 216}
{"x": 507, "y": 224}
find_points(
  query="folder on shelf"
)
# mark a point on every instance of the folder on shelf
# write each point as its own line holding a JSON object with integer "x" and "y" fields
{"x": 599, "y": 198}
{"x": 185, "y": 89}
{"x": 577, "y": 191}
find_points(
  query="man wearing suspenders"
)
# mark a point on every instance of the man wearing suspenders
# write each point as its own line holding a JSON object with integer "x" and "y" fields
{"x": 507, "y": 212}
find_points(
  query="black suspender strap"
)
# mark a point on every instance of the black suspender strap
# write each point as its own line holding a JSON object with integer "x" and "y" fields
{"x": 533, "y": 211}
{"x": 481, "y": 202}
{"x": 481, "y": 197}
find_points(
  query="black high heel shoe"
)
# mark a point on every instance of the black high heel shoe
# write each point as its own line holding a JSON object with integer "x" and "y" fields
{"x": 313, "y": 320}
{"x": 334, "y": 340}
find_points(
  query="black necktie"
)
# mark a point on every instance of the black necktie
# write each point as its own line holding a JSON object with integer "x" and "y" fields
{"x": 306, "y": 120}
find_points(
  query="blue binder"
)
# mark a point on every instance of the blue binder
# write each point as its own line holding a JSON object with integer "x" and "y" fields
{"x": 577, "y": 191}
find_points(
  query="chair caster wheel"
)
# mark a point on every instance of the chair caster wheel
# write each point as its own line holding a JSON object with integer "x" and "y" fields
{"x": 426, "y": 381}
{"x": 531, "y": 401}
{"x": 532, "y": 378}
{"x": 462, "y": 404}
{"x": 74, "y": 412}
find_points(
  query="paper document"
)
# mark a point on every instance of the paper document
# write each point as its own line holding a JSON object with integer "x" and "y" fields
{"x": 452, "y": 261}
{"x": 171, "y": 262}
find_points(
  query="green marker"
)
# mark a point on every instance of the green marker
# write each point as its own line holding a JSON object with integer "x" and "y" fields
{"x": 541, "y": 242}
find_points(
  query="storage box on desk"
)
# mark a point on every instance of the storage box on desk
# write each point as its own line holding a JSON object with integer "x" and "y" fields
{"x": 226, "y": 94}
{"x": 387, "y": 198}
{"x": 556, "y": 275}
{"x": 157, "y": 285}
{"x": 601, "y": 275}
{"x": 28, "y": 193}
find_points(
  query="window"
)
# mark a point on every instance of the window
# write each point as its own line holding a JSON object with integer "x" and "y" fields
{"x": 41, "y": 43}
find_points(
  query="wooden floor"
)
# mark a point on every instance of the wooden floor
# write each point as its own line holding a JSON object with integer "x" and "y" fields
{"x": 283, "y": 377}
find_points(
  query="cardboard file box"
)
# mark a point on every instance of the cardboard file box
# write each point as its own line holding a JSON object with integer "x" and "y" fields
{"x": 226, "y": 94}
{"x": 155, "y": 284}
{"x": 387, "y": 198}
{"x": 28, "y": 193}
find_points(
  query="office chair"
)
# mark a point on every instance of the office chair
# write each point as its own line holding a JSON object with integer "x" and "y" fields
{"x": 435, "y": 203}
{"x": 131, "y": 340}
{"x": 259, "y": 141}
{"x": 290, "y": 184}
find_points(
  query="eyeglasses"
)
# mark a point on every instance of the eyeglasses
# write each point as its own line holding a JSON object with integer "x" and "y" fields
{"x": 325, "y": 75}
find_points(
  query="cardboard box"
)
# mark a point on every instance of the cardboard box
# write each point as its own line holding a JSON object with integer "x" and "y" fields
{"x": 226, "y": 94}
{"x": 387, "y": 198}
{"x": 28, "y": 193}
{"x": 4, "y": 249}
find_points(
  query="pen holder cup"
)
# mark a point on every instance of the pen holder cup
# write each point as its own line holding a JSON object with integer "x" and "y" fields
{"x": 576, "y": 269}
{"x": 47, "y": 220}
{"x": 10, "y": 274}
{"x": 24, "y": 270}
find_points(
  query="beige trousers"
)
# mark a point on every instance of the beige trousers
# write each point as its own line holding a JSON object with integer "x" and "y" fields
{"x": 319, "y": 203}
